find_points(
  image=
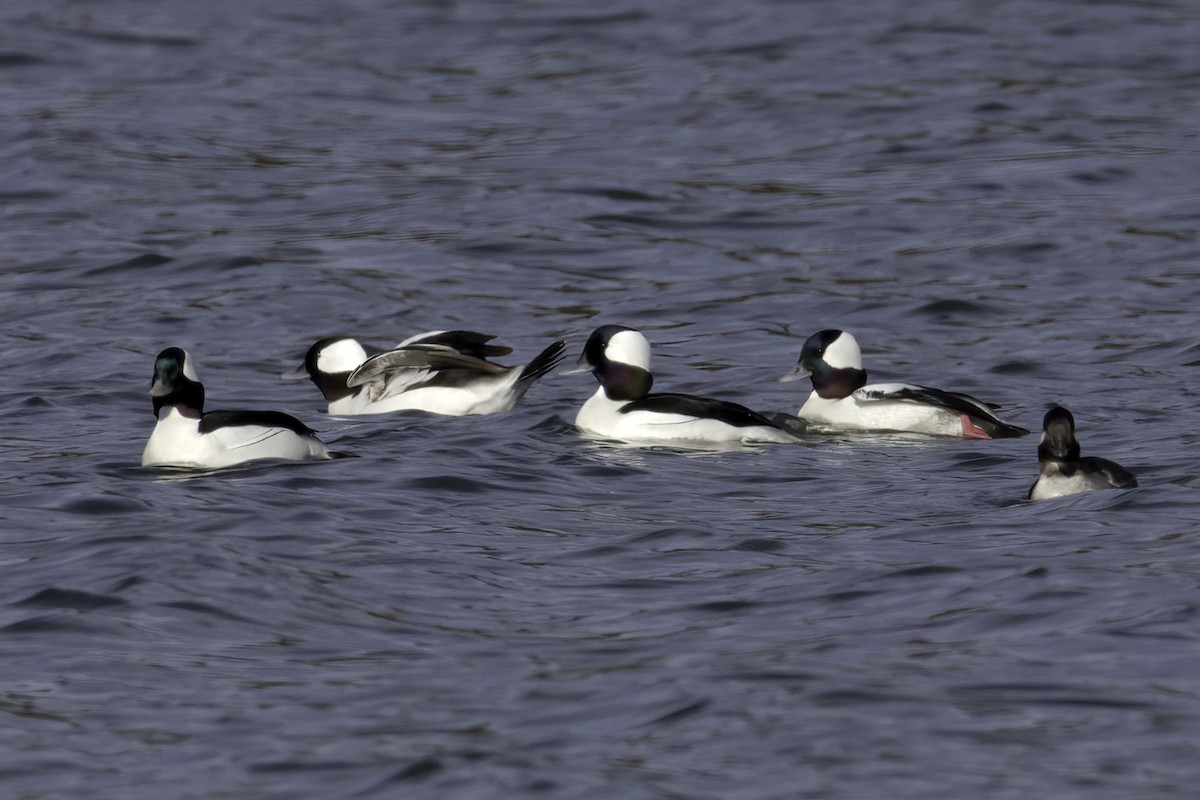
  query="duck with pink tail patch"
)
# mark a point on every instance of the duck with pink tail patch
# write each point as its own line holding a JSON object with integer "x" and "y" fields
{"x": 842, "y": 400}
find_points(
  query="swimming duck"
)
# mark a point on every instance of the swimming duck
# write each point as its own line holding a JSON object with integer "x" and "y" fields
{"x": 842, "y": 399}
{"x": 623, "y": 407}
{"x": 186, "y": 436}
{"x": 1061, "y": 470}
{"x": 441, "y": 372}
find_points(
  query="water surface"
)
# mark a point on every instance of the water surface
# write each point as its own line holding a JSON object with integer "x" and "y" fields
{"x": 995, "y": 198}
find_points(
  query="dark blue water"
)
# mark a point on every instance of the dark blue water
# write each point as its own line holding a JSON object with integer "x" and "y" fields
{"x": 999, "y": 198}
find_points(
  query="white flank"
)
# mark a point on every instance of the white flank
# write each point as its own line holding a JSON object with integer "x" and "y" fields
{"x": 177, "y": 442}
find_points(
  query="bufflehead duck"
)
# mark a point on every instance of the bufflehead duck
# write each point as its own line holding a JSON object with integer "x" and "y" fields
{"x": 623, "y": 408}
{"x": 841, "y": 399}
{"x": 1061, "y": 471}
{"x": 185, "y": 436}
{"x": 442, "y": 372}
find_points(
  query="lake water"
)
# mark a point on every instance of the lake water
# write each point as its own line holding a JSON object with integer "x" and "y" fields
{"x": 998, "y": 198}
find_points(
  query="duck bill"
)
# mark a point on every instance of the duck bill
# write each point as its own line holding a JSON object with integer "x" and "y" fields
{"x": 160, "y": 388}
{"x": 300, "y": 373}
{"x": 581, "y": 366}
{"x": 799, "y": 373}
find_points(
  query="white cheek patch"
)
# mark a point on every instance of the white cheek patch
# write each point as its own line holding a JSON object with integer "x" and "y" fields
{"x": 344, "y": 355}
{"x": 844, "y": 353}
{"x": 189, "y": 371}
{"x": 629, "y": 347}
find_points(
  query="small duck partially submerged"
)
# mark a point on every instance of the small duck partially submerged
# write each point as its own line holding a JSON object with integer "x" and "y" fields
{"x": 441, "y": 372}
{"x": 623, "y": 407}
{"x": 1062, "y": 471}
{"x": 842, "y": 399}
{"x": 186, "y": 436}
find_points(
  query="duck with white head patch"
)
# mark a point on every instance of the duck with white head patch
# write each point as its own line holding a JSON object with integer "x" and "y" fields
{"x": 623, "y": 407}
{"x": 440, "y": 372}
{"x": 186, "y": 436}
{"x": 841, "y": 398}
{"x": 1061, "y": 470}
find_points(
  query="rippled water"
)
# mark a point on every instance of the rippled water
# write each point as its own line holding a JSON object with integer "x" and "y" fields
{"x": 999, "y": 198}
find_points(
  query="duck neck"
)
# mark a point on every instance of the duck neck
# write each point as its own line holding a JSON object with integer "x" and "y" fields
{"x": 187, "y": 398}
{"x": 834, "y": 384}
{"x": 624, "y": 381}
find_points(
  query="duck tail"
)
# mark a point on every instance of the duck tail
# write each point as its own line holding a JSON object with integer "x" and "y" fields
{"x": 541, "y": 364}
{"x": 999, "y": 429}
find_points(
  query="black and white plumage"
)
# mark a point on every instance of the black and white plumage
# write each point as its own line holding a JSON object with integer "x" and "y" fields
{"x": 841, "y": 398}
{"x": 186, "y": 436}
{"x": 623, "y": 407}
{"x": 440, "y": 372}
{"x": 1062, "y": 471}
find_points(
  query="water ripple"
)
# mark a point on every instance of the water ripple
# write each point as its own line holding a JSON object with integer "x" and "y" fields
{"x": 499, "y": 606}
